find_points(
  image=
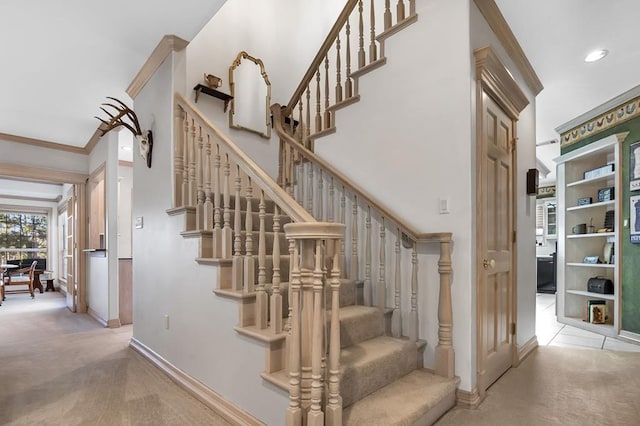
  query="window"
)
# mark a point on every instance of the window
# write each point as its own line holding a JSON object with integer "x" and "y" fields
{"x": 22, "y": 236}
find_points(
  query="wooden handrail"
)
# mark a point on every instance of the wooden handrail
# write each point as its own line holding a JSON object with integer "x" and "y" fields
{"x": 257, "y": 174}
{"x": 320, "y": 56}
{"x": 362, "y": 194}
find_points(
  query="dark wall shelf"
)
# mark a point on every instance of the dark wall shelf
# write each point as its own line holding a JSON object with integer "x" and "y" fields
{"x": 213, "y": 92}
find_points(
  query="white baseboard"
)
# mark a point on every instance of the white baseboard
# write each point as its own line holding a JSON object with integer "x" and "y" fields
{"x": 527, "y": 348}
{"x": 630, "y": 337}
{"x": 93, "y": 314}
{"x": 208, "y": 397}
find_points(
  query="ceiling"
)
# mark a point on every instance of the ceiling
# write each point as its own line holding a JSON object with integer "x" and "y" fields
{"x": 61, "y": 59}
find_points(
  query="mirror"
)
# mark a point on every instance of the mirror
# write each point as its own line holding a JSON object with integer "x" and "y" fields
{"x": 251, "y": 93}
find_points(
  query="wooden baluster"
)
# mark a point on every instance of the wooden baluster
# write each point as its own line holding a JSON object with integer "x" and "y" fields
{"x": 368, "y": 290}
{"x": 320, "y": 197}
{"x": 200, "y": 165}
{"x": 315, "y": 416}
{"x": 261, "y": 293}
{"x": 445, "y": 357}
{"x": 300, "y": 131}
{"x": 318, "y": 103}
{"x": 348, "y": 83}
{"x": 178, "y": 156}
{"x": 413, "y": 314}
{"x": 400, "y": 12}
{"x": 208, "y": 206}
{"x": 276, "y": 298}
{"x": 330, "y": 206}
{"x": 361, "y": 54}
{"x": 387, "y": 14}
{"x": 185, "y": 169}
{"x": 290, "y": 292}
{"x": 412, "y": 7}
{"x": 382, "y": 282}
{"x": 294, "y": 411}
{"x": 217, "y": 231}
{"x": 338, "y": 75}
{"x": 310, "y": 188}
{"x": 300, "y": 179}
{"x": 327, "y": 112}
{"x": 227, "y": 232}
{"x": 249, "y": 261}
{"x": 396, "y": 317}
{"x": 343, "y": 220}
{"x": 237, "y": 263}
{"x": 353, "y": 271}
{"x": 193, "y": 189}
{"x": 307, "y": 126}
{"x": 334, "y": 400}
{"x": 373, "y": 47}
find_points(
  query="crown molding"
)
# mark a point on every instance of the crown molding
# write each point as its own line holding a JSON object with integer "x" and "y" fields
{"x": 501, "y": 29}
{"x": 40, "y": 174}
{"x": 28, "y": 198}
{"x": 42, "y": 143}
{"x": 168, "y": 44}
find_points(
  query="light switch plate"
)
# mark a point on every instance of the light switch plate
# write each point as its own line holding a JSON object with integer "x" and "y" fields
{"x": 443, "y": 205}
{"x": 139, "y": 222}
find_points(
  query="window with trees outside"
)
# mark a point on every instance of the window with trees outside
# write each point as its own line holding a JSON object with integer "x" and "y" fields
{"x": 22, "y": 236}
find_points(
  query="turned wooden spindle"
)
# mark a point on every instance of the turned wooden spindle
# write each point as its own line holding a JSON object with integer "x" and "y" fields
{"x": 373, "y": 47}
{"x": 315, "y": 416}
{"x": 217, "y": 212}
{"x": 320, "y": 215}
{"x": 361, "y": 54}
{"x": 334, "y": 400}
{"x": 227, "y": 232}
{"x": 275, "y": 324}
{"x": 261, "y": 294}
{"x": 348, "y": 83}
{"x": 237, "y": 263}
{"x": 368, "y": 290}
{"x": 413, "y": 313}
{"x": 353, "y": 271}
{"x": 178, "y": 156}
{"x": 307, "y": 125}
{"x": 327, "y": 112}
{"x": 412, "y": 7}
{"x": 208, "y": 206}
{"x": 318, "y": 103}
{"x": 185, "y": 169}
{"x": 445, "y": 358}
{"x": 193, "y": 189}
{"x": 310, "y": 187}
{"x": 338, "y": 71}
{"x": 200, "y": 165}
{"x": 300, "y": 134}
{"x": 343, "y": 220}
{"x": 387, "y": 14}
{"x": 249, "y": 261}
{"x": 382, "y": 283}
{"x": 400, "y": 12}
{"x": 396, "y": 316}
{"x": 330, "y": 201}
{"x": 294, "y": 411}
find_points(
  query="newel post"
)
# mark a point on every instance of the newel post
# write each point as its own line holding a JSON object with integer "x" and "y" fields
{"x": 178, "y": 156}
{"x": 445, "y": 357}
{"x": 314, "y": 399}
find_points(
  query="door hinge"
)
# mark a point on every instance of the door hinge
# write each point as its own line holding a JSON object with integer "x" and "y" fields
{"x": 513, "y": 328}
{"x": 514, "y": 236}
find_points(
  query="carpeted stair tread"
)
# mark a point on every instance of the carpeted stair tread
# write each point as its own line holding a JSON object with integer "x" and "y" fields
{"x": 373, "y": 364}
{"x": 358, "y": 323}
{"x": 407, "y": 401}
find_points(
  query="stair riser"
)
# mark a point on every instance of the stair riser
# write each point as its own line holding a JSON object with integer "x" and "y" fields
{"x": 358, "y": 329}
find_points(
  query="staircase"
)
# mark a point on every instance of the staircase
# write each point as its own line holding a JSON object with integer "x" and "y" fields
{"x": 341, "y": 330}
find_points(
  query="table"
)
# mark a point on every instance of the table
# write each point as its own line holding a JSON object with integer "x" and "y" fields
{"x": 4, "y": 267}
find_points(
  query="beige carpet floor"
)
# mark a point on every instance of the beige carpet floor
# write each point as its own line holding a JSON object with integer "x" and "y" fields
{"x": 561, "y": 386}
{"x": 59, "y": 368}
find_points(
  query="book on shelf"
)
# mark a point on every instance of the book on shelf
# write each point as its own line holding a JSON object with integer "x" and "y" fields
{"x": 596, "y": 311}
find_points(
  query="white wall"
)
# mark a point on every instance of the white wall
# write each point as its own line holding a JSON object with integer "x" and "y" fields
{"x": 125, "y": 186}
{"x": 30, "y": 155}
{"x": 481, "y": 35}
{"x": 167, "y": 281}
{"x": 284, "y": 34}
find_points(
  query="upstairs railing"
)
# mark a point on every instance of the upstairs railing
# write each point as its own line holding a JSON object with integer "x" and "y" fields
{"x": 351, "y": 47}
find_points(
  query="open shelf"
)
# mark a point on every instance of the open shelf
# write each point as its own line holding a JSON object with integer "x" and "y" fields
{"x": 594, "y": 235}
{"x": 592, "y": 180}
{"x": 591, "y": 206}
{"x": 592, "y": 265}
{"x": 592, "y": 295}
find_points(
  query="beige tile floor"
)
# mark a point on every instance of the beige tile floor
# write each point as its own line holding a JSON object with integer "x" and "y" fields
{"x": 552, "y": 333}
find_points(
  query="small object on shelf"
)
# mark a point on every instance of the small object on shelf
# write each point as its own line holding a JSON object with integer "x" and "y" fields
{"x": 606, "y": 194}
{"x": 600, "y": 285}
{"x": 596, "y": 311}
{"x": 212, "y": 81}
{"x": 213, "y": 92}
{"x": 592, "y": 260}
{"x": 609, "y": 220}
{"x": 608, "y": 253}
{"x": 579, "y": 229}
{"x": 600, "y": 171}
{"x": 584, "y": 201}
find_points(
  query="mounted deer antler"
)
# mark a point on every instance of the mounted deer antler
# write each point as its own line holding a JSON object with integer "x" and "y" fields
{"x": 122, "y": 111}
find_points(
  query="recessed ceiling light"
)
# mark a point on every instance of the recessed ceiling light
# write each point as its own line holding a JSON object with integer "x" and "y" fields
{"x": 596, "y": 55}
{"x": 126, "y": 148}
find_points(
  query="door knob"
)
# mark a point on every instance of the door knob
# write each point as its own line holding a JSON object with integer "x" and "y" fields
{"x": 488, "y": 263}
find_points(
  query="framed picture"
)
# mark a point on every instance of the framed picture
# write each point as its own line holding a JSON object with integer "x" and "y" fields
{"x": 634, "y": 214}
{"x": 634, "y": 166}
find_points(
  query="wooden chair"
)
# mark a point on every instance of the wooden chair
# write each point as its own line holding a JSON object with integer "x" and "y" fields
{"x": 23, "y": 276}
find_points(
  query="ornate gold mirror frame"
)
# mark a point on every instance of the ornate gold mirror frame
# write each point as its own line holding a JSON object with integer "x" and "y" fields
{"x": 251, "y": 91}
